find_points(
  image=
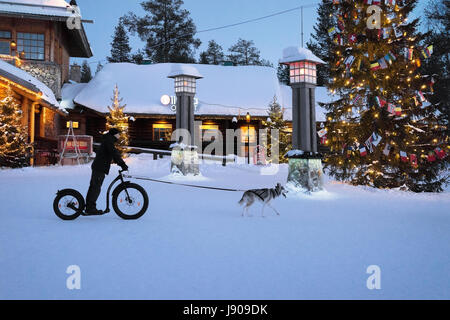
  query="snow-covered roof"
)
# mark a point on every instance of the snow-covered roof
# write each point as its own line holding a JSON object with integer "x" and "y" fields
{"x": 294, "y": 54}
{"x": 56, "y": 8}
{"x": 25, "y": 79}
{"x": 68, "y": 92}
{"x": 224, "y": 90}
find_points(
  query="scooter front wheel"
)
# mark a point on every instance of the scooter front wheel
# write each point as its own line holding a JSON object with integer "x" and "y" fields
{"x": 130, "y": 201}
{"x": 68, "y": 204}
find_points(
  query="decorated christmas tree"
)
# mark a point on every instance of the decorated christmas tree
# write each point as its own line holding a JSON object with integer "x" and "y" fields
{"x": 283, "y": 138}
{"x": 382, "y": 130}
{"x": 15, "y": 151}
{"x": 118, "y": 119}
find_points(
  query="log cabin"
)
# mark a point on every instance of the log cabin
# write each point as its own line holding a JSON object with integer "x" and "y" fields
{"x": 224, "y": 97}
{"x": 36, "y": 43}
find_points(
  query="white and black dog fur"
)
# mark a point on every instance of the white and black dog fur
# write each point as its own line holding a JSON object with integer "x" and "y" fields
{"x": 262, "y": 195}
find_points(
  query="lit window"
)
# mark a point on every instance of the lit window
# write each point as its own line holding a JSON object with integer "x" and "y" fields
{"x": 32, "y": 44}
{"x": 162, "y": 132}
{"x": 244, "y": 137}
{"x": 75, "y": 124}
{"x": 209, "y": 132}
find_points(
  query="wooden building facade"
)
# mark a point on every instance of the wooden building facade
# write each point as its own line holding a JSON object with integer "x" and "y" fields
{"x": 36, "y": 38}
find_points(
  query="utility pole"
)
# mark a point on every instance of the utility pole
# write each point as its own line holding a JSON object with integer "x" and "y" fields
{"x": 302, "y": 23}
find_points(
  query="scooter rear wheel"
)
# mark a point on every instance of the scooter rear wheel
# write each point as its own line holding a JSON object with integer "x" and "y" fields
{"x": 68, "y": 204}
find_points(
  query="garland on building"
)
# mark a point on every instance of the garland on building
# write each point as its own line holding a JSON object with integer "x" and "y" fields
{"x": 118, "y": 119}
{"x": 15, "y": 151}
{"x": 382, "y": 131}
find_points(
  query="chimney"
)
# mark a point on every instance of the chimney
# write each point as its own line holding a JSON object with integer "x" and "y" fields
{"x": 75, "y": 73}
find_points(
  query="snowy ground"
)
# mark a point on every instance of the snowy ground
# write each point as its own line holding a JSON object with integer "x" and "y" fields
{"x": 193, "y": 243}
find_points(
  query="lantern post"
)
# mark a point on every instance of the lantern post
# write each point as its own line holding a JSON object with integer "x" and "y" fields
{"x": 305, "y": 163}
{"x": 184, "y": 154}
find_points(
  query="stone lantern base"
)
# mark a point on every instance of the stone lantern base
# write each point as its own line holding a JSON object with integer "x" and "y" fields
{"x": 305, "y": 170}
{"x": 185, "y": 160}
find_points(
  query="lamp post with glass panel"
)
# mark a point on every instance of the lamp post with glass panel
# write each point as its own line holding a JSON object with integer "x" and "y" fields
{"x": 184, "y": 154}
{"x": 305, "y": 163}
{"x": 185, "y": 89}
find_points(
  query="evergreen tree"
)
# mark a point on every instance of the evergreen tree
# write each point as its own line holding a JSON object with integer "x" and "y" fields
{"x": 321, "y": 42}
{"x": 99, "y": 67}
{"x": 381, "y": 131}
{"x": 86, "y": 73}
{"x": 203, "y": 58}
{"x": 437, "y": 67}
{"x": 15, "y": 151}
{"x": 120, "y": 45}
{"x": 167, "y": 29}
{"x": 138, "y": 57}
{"x": 265, "y": 63}
{"x": 276, "y": 122}
{"x": 118, "y": 119}
{"x": 244, "y": 53}
{"x": 283, "y": 74}
{"x": 213, "y": 55}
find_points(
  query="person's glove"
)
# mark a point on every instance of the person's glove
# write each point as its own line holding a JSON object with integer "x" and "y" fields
{"x": 124, "y": 167}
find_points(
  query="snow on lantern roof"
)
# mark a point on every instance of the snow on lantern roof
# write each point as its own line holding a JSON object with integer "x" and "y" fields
{"x": 295, "y": 54}
{"x": 184, "y": 70}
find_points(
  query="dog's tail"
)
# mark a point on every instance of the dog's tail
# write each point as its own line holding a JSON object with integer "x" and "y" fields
{"x": 241, "y": 202}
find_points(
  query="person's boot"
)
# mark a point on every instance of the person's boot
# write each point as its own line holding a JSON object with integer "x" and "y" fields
{"x": 93, "y": 212}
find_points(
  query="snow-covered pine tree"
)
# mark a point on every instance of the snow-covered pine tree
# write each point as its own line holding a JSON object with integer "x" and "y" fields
{"x": 118, "y": 119}
{"x": 382, "y": 131}
{"x": 276, "y": 122}
{"x": 120, "y": 45}
{"x": 15, "y": 151}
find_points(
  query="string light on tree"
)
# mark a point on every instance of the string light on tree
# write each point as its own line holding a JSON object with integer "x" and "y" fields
{"x": 380, "y": 66}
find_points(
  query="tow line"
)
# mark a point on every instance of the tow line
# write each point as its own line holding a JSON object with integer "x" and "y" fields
{"x": 183, "y": 184}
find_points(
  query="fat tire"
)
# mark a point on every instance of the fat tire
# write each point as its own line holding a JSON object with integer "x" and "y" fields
{"x": 62, "y": 194}
{"x": 115, "y": 197}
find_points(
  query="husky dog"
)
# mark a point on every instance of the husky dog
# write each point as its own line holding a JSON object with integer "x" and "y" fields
{"x": 263, "y": 195}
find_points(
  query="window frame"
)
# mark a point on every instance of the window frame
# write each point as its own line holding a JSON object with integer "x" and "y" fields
{"x": 6, "y": 40}
{"x": 161, "y": 127}
{"x": 29, "y": 40}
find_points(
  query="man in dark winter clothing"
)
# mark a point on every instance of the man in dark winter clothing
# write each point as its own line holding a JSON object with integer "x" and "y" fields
{"x": 100, "y": 168}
